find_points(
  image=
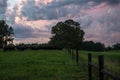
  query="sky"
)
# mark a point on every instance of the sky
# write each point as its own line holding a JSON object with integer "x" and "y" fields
{"x": 32, "y": 20}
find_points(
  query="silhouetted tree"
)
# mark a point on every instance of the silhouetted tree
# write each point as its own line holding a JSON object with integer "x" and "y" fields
{"x": 67, "y": 34}
{"x": 5, "y": 33}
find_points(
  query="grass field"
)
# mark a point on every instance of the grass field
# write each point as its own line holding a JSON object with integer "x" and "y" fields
{"x": 39, "y": 65}
{"x": 51, "y": 65}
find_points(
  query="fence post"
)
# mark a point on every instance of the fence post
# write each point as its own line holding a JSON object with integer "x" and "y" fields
{"x": 101, "y": 67}
{"x": 77, "y": 60}
{"x": 89, "y": 66}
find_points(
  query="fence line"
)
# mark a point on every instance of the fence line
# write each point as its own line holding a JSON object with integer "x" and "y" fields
{"x": 100, "y": 66}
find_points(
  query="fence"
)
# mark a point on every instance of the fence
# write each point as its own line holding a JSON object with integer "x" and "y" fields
{"x": 100, "y": 67}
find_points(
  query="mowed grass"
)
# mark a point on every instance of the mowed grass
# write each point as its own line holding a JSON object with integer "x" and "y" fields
{"x": 111, "y": 59}
{"x": 39, "y": 65}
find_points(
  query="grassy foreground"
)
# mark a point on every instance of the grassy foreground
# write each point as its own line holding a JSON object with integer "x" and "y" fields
{"x": 39, "y": 65}
{"x": 51, "y": 65}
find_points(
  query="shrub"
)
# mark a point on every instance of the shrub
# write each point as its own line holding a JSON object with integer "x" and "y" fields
{"x": 9, "y": 47}
{"x": 21, "y": 47}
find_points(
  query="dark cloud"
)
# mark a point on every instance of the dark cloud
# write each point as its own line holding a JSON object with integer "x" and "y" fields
{"x": 51, "y": 10}
{"x": 110, "y": 2}
{"x": 57, "y": 9}
{"x": 111, "y": 20}
{"x": 61, "y": 3}
{"x": 29, "y": 9}
{"x": 3, "y": 3}
{"x": 33, "y": 12}
{"x": 86, "y": 21}
{"x": 3, "y": 6}
{"x": 23, "y": 31}
{"x": 54, "y": 10}
{"x": 113, "y": 2}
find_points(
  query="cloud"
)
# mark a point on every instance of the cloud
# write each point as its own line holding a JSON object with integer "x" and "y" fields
{"x": 55, "y": 9}
{"x": 110, "y": 2}
{"x": 3, "y": 3}
{"x": 104, "y": 27}
{"x": 51, "y": 11}
{"x": 25, "y": 31}
{"x": 33, "y": 19}
{"x": 33, "y": 12}
{"x": 111, "y": 20}
{"x": 113, "y": 2}
{"x": 27, "y": 34}
{"x": 86, "y": 21}
{"x": 3, "y": 6}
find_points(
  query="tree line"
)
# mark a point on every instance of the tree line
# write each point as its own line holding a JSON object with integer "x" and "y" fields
{"x": 98, "y": 46}
{"x": 86, "y": 45}
{"x": 67, "y": 34}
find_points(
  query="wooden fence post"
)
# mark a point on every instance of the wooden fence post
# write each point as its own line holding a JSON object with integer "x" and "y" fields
{"x": 89, "y": 66}
{"x": 77, "y": 59}
{"x": 101, "y": 67}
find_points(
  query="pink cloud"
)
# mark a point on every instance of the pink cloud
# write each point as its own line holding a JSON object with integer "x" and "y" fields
{"x": 98, "y": 10}
{"x": 98, "y": 19}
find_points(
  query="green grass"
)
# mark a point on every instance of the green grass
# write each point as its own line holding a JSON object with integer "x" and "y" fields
{"x": 39, "y": 65}
{"x": 51, "y": 64}
{"x": 111, "y": 59}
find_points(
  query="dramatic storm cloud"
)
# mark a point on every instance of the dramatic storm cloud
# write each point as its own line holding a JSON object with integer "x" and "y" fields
{"x": 32, "y": 20}
{"x": 34, "y": 10}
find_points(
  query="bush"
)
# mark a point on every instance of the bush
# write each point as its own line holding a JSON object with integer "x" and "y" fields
{"x": 92, "y": 46}
{"x": 9, "y": 47}
{"x": 34, "y": 46}
{"x": 21, "y": 47}
{"x": 44, "y": 46}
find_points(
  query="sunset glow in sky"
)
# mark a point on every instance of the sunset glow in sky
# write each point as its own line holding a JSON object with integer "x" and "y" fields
{"x": 32, "y": 20}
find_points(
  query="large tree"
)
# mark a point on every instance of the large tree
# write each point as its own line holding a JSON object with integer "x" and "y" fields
{"x": 67, "y": 34}
{"x": 6, "y": 33}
